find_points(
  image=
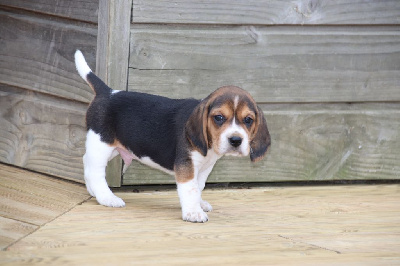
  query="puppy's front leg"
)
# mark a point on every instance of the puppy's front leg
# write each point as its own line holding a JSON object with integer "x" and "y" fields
{"x": 190, "y": 198}
{"x": 202, "y": 178}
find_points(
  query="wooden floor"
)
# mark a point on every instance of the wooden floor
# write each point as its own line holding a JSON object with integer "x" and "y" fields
{"x": 48, "y": 221}
{"x": 28, "y": 201}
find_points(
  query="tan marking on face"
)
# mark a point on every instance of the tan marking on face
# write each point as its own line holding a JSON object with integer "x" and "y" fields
{"x": 234, "y": 104}
{"x": 215, "y": 130}
{"x": 243, "y": 111}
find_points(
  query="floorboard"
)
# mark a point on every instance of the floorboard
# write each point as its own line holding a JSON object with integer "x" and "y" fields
{"x": 30, "y": 200}
{"x": 295, "y": 225}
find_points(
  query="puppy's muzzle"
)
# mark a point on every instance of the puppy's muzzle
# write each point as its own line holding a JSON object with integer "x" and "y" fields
{"x": 235, "y": 141}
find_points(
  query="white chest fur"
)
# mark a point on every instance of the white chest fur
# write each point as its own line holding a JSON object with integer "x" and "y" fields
{"x": 204, "y": 163}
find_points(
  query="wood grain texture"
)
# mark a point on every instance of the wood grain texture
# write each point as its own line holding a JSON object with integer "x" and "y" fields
{"x": 304, "y": 12}
{"x": 12, "y": 230}
{"x": 112, "y": 59}
{"x": 273, "y": 85}
{"x": 83, "y": 10}
{"x": 322, "y": 225}
{"x": 113, "y": 43}
{"x": 29, "y": 200}
{"x": 312, "y": 142}
{"x": 38, "y": 54}
{"x": 42, "y": 133}
{"x": 275, "y": 64}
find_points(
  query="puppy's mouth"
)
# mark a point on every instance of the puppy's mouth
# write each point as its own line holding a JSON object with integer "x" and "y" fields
{"x": 237, "y": 152}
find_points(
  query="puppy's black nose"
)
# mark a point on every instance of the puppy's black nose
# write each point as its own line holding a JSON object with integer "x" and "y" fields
{"x": 235, "y": 141}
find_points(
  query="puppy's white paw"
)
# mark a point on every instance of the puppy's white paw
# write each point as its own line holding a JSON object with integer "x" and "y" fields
{"x": 206, "y": 206}
{"x": 195, "y": 216}
{"x": 110, "y": 201}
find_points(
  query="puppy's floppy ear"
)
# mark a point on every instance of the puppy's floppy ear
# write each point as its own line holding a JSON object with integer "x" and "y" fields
{"x": 196, "y": 127}
{"x": 261, "y": 138}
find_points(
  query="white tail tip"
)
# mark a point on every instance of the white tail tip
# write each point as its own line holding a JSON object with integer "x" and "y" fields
{"x": 81, "y": 65}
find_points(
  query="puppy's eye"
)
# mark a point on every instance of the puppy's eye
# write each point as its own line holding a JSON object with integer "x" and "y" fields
{"x": 219, "y": 119}
{"x": 248, "y": 121}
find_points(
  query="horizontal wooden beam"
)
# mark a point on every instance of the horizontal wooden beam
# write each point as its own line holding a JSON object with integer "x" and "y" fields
{"x": 161, "y": 47}
{"x": 270, "y": 85}
{"x": 309, "y": 141}
{"x": 82, "y": 10}
{"x": 275, "y": 64}
{"x": 312, "y": 143}
{"x": 272, "y": 12}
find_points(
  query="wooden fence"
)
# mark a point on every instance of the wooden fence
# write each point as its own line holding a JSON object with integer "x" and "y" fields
{"x": 326, "y": 74}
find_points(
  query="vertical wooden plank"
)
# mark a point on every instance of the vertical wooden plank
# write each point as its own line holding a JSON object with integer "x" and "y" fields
{"x": 112, "y": 58}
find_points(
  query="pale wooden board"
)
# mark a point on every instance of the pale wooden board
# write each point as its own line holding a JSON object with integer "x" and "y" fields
{"x": 312, "y": 142}
{"x": 304, "y": 12}
{"x": 84, "y": 10}
{"x": 29, "y": 200}
{"x": 322, "y": 225}
{"x": 12, "y": 230}
{"x": 38, "y": 54}
{"x": 42, "y": 133}
{"x": 275, "y": 64}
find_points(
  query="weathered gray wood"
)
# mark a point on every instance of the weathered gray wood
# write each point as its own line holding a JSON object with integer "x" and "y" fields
{"x": 42, "y": 133}
{"x": 112, "y": 58}
{"x": 275, "y": 64}
{"x": 272, "y": 12}
{"x": 273, "y": 85}
{"x": 84, "y": 10}
{"x": 38, "y": 54}
{"x": 113, "y": 42}
{"x": 245, "y": 47}
{"x": 313, "y": 142}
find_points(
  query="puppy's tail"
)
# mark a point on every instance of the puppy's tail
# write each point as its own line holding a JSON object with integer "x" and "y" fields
{"x": 97, "y": 85}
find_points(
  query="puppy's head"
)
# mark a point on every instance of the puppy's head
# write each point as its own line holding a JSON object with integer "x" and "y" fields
{"x": 229, "y": 122}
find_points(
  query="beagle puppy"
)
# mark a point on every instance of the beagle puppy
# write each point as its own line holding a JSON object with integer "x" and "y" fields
{"x": 182, "y": 137}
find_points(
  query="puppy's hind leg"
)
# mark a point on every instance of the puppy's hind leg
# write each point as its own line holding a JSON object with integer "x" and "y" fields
{"x": 95, "y": 162}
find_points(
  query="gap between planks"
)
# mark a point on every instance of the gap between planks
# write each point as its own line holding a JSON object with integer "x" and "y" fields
{"x": 29, "y": 200}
